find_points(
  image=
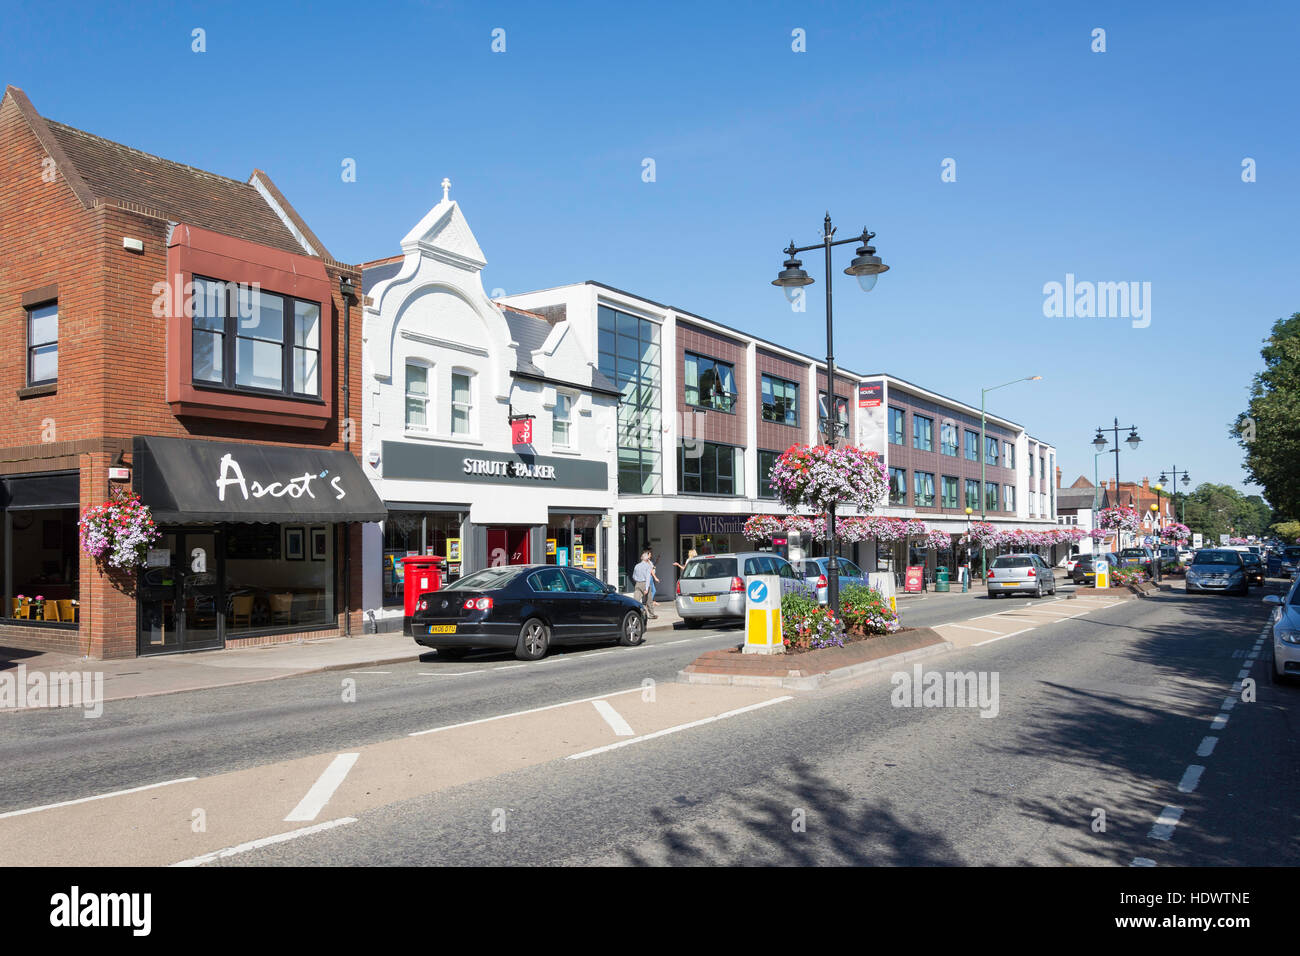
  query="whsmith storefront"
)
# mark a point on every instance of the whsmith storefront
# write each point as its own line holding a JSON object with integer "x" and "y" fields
{"x": 480, "y": 508}
{"x": 254, "y": 541}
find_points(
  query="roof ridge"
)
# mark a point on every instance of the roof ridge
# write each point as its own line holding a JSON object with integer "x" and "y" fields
{"x": 141, "y": 152}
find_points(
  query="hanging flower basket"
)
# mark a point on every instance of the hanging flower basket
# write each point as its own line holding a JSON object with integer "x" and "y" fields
{"x": 814, "y": 478}
{"x": 1175, "y": 532}
{"x": 117, "y": 534}
{"x": 763, "y": 527}
{"x": 937, "y": 539}
{"x": 806, "y": 525}
{"x": 1119, "y": 519}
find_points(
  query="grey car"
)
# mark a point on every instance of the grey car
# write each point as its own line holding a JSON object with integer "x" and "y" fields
{"x": 1026, "y": 573}
{"x": 712, "y": 586}
{"x": 1285, "y": 628}
{"x": 815, "y": 571}
{"x": 1217, "y": 569}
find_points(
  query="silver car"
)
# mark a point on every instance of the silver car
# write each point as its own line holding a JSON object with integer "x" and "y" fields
{"x": 1010, "y": 573}
{"x": 1217, "y": 569}
{"x": 815, "y": 570}
{"x": 713, "y": 585}
{"x": 1286, "y": 634}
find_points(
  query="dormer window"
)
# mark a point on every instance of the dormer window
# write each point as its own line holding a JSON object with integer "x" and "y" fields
{"x": 248, "y": 339}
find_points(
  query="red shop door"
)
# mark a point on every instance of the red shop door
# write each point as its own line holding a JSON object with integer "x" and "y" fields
{"x": 508, "y": 546}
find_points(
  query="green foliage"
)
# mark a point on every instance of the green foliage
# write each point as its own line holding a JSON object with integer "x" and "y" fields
{"x": 1288, "y": 531}
{"x": 1214, "y": 509}
{"x": 1269, "y": 430}
{"x": 865, "y": 607}
{"x": 795, "y": 609}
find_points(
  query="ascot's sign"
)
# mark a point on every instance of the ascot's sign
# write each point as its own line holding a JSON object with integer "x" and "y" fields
{"x": 232, "y": 474}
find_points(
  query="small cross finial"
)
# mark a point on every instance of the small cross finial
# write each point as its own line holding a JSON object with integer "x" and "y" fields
{"x": 446, "y": 189}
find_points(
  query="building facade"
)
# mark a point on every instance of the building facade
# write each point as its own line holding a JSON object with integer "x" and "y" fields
{"x": 489, "y": 432}
{"x": 186, "y": 336}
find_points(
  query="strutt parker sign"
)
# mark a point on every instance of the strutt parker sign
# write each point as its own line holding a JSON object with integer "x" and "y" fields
{"x": 412, "y": 462}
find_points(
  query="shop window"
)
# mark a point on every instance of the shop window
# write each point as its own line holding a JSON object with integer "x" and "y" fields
{"x": 780, "y": 401}
{"x": 404, "y": 533}
{"x": 417, "y": 397}
{"x": 709, "y": 383}
{"x": 41, "y": 553}
{"x": 43, "y": 344}
{"x": 897, "y": 486}
{"x": 246, "y": 339}
{"x": 571, "y": 540}
{"x": 278, "y": 577}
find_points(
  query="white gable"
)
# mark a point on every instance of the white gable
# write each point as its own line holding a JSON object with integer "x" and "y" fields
{"x": 444, "y": 234}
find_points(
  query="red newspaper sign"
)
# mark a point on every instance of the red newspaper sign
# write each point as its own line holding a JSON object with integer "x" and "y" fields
{"x": 915, "y": 580}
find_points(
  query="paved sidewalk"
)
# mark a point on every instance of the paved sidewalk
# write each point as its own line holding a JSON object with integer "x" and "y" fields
{"x": 174, "y": 673}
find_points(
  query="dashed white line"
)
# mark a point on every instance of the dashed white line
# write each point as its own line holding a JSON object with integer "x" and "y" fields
{"x": 447, "y": 673}
{"x": 967, "y": 627}
{"x": 613, "y": 718}
{"x": 265, "y": 841}
{"x": 1191, "y": 777}
{"x": 1207, "y": 746}
{"x": 521, "y": 713}
{"x": 313, "y": 803}
{"x": 1003, "y": 637}
{"x": 1219, "y": 722}
{"x": 679, "y": 727}
{"x": 98, "y": 796}
{"x": 1229, "y": 703}
{"x": 1165, "y": 823}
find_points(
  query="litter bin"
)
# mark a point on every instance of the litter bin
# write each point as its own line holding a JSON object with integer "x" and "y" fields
{"x": 421, "y": 573}
{"x": 941, "y": 580}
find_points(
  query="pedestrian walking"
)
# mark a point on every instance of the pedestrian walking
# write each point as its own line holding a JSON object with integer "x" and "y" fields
{"x": 643, "y": 580}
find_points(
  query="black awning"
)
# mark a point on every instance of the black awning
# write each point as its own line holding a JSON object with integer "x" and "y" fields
{"x": 186, "y": 481}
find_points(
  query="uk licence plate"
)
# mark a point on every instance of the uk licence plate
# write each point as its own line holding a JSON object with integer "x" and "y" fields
{"x": 711, "y": 599}
{"x": 442, "y": 628}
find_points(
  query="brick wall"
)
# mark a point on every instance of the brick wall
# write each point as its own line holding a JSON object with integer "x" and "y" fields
{"x": 771, "y": 436}
{"x": 712, "y": 425}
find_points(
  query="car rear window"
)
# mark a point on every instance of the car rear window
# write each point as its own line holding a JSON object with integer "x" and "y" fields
{"x": 486, "y": 580}
{"x": 1133, "y": 553}
{"x": 1007, "y": 562}
{"x": 1217, "y": 557}
{"x": 710, "y": 568}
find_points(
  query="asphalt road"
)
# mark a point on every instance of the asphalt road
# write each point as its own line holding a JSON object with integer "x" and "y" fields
{"x": 1102, "y": 713}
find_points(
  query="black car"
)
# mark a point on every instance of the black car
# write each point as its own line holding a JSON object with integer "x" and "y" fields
{"x": 1254, "y": 567}
{"x": 1086, "y": 571}
{"x": 526, "y": 608}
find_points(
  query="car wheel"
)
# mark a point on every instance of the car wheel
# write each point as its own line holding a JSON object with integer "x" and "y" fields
{"x": 1038, "y": 590}
{"x": 534, "y": 640}
{"x": 632, "y": 632}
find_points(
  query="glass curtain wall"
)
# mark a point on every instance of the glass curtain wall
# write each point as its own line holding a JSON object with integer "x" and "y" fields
{"x": 629, "y": 355}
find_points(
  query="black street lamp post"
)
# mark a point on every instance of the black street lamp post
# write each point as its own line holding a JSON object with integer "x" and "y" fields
{"x": 1099, "y": 443}
{"x": 866, "y": 266}
{"x": 1165, "y": 480}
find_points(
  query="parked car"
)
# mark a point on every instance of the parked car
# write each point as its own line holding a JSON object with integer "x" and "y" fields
{"x": 526, "y": 608}
{"x": 1286, "y": 633}
{"x": 816, "y": 570}
{"x": 1068, "y": 562}
{"x": 1291, "y": 560}
{"x": 1185, "y": 555}
{"x": 1029, "y": 573}
{"x": 1086, "y": 571}
{"x": 1254, "y": 568}
{"x": 1143, "y": 558}
{"x": 713, "y": 586}
{"x": 1217, "y": 569}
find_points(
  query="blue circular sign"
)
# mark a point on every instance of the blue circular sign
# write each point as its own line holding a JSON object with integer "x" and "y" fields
{"x": 757, "y": 591}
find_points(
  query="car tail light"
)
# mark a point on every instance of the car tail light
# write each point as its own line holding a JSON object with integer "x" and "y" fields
{"x": 1031, "y": 572}
{"x": 737, "y": 584}
{"x": 821, "y": 581}
{"x": 679, "y": 588}
{"x": 990, "y": 572}
{"x": 479, "y": 604}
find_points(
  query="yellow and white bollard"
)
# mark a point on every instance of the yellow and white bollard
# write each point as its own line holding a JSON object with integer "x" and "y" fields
{"x": 1102, "y": 573}
{"x": 763, "y": 625}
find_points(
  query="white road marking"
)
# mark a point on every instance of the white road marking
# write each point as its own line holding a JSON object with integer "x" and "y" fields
{"x": 1003, "y": 637}
{"x": 679, "y": 727}
{"x": 369, "y": 672}
{"x": 1219, "y": 722}
{"x": 1165, "y": 823}
{"x": 684, "y": 640}
{"x": 508, "y": 667}
{"x": 1142, "y": 861}
{"x": 613, "y": 718}
{"x": 967, "y": 627}
{"x": 1207, "y": 746}
{"x": 1244, "y": 672}
{"x": 447, "y": 673}
{"x": 1229, "y": 703}
{"x": 314, "y": 802}
{"x": 100, "y": 796}
{"x": 521, "y": 713}
{"x": 265, "y": 841}
{"x": 1191, "y": 777}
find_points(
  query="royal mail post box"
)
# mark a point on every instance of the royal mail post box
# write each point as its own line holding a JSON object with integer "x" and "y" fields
{"x": 421, "y": 573}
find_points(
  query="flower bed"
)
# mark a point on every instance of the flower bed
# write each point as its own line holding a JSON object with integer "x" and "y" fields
{"x": 809, "y": 626}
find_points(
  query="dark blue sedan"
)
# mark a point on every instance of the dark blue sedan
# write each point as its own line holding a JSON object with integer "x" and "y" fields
{"x": 526, "y": 608}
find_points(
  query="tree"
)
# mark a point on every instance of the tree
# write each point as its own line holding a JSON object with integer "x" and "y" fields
{"x": 1269, "y": 431}
{"x": 1214, "y": 509}
{"x": 1288, "y": 530}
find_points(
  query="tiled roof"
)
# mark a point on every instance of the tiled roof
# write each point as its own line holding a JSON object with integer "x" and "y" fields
{"x": 530, "y": 333}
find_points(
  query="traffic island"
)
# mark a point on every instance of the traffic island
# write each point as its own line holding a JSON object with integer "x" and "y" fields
{"x": 808, "y": 670}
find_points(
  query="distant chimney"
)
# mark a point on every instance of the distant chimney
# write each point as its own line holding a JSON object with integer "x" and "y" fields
{"x": 1146, "y": 485}
{"x": 1058, "y": 476}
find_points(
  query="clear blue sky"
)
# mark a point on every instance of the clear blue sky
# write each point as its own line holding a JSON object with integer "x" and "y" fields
{"x": 1115, "y": 166}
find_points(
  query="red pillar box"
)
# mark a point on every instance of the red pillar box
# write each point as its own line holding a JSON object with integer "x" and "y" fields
{"x": 420, "y": 575}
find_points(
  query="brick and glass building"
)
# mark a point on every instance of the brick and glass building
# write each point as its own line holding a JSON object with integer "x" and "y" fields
{"x": 186, "y": 335}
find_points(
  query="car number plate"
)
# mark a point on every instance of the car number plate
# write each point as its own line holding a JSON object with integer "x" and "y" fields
{"x": 711, "y": 599}
{"x": 1009, "y": 584}
{"x": 442, "y": 628}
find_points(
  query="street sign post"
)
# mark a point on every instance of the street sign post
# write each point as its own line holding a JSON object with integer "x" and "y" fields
{"x": 763, "y": 625}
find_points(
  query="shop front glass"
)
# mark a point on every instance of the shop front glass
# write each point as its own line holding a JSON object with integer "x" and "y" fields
{"x": 572, "y": 540}
{"x": 408, "y": 533}
{"x": 40, "y": 551}
{"x": 278, "y": 577}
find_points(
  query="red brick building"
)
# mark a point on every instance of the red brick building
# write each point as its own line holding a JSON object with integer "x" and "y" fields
{"x": 193, "y": 334}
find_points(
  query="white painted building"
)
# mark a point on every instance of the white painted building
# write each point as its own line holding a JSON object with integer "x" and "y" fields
{"x": 446, "y": 371}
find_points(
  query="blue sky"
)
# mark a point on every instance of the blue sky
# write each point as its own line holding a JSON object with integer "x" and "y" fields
{"x": 1115, "y": 166}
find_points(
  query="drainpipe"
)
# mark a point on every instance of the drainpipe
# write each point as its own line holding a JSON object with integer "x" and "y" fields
{"x": 349, "y": 291}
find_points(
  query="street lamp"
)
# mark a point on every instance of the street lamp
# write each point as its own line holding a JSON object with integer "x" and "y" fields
{"x": 1186, "y": 481}
{"x": 1099, "y": 443}
{"x": 969, "y": 509}
{"x": 984, "y": 457}
{"x": 866, "y": 267}
{"x": 1155, "y": 527}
